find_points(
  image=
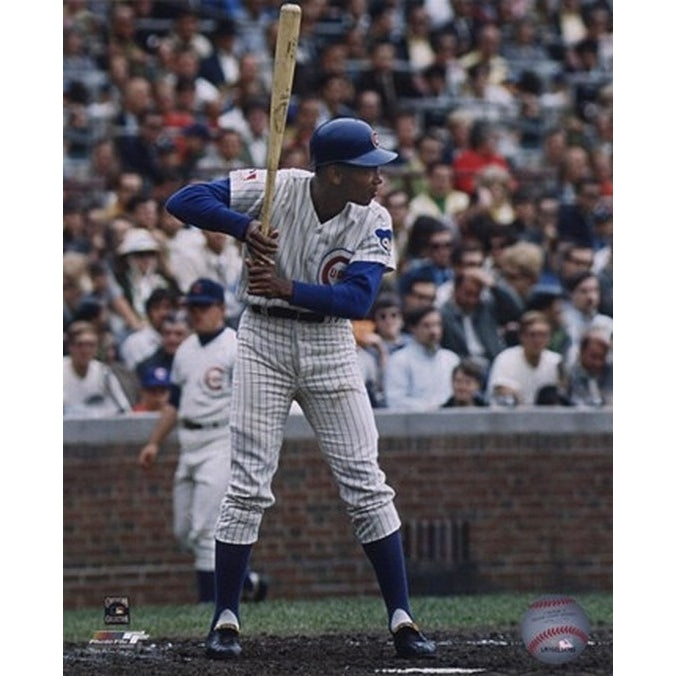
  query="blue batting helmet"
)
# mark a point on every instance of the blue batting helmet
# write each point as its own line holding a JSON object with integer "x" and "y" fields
{"x": 347, "y": 140}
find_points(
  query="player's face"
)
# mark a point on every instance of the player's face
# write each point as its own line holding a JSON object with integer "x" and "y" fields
{"x": 206, "y": 318}
{"x": 360, "y": 184}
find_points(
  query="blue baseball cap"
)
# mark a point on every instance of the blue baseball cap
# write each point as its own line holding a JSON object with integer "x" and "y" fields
{"x": 205, "y": 292}
{"x": 155, "y": 376}
{"x": 345, "y": 140}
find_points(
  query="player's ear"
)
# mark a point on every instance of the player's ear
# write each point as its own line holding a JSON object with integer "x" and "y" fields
{"x": 334, "y": 174}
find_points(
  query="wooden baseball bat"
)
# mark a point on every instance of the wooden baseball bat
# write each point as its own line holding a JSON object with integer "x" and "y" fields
{"x": 282, "y": 80}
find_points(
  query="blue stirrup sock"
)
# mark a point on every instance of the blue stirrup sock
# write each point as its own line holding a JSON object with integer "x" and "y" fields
{"x": 232, "y": 567}
{"x": 387, "y": 558}
{"x": 205, "y": 586}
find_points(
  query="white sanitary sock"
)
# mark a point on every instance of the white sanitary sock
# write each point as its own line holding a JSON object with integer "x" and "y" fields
{"x": 227, "y": 619}
{"x": 399, "y": 617}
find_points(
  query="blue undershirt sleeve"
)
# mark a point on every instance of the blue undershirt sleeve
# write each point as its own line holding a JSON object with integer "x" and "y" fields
{"x": 351, "y": 298}
{"x": 174, "y": 395}
{"x": 206, "y": 206}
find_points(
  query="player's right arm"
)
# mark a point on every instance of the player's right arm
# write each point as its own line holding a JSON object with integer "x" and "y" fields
{"x": 351, "y": 298}
{"x": 165, "y": 423}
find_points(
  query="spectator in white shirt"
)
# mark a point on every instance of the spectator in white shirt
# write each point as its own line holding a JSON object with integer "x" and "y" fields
{"x": 142, "y": 343}
{"x": 418, "y": 376}
{"x": 519, "y": 373}
{"x": 90, "y": 388}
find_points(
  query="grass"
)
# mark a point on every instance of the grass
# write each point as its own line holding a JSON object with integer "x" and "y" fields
{"x": 335, "y": 615}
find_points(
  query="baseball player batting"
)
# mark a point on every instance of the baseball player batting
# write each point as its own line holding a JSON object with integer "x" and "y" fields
{"x": 321, "y": 265}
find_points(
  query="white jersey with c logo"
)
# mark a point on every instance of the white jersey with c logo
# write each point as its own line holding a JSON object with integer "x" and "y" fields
{"x": 310, "y": 251}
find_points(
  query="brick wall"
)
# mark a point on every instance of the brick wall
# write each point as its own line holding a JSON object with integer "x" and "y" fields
{"x": 489, "y": 501}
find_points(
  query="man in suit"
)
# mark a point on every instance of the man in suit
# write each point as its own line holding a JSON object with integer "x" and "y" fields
{"x": 575, "y": 222}
{"x": 391, "y": 83}
{"x": 469, "y": 320}
{"x": 140, "y": 152}
{"x": 221, "y": 67}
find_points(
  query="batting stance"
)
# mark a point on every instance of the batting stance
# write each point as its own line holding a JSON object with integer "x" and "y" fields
{"x": 200, "y": 399}
{"x": 321, "y": 265}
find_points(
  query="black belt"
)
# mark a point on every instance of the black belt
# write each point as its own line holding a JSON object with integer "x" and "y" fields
{"x": 286, "y": 313}
{"x": 191, "y": 425}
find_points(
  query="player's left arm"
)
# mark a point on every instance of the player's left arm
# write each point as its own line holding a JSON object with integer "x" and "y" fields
{"x": 207, "y": 206}
{"x": 350, "y": 298}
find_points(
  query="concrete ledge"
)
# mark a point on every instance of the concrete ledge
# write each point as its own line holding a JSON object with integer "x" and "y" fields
{"x": 135, "y": 428}
{"x": 559, "y": 420}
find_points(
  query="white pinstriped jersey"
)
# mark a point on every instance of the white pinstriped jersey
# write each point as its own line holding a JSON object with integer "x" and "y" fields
{"x": 204, "y": 374}
{"x": 313, "y": 252}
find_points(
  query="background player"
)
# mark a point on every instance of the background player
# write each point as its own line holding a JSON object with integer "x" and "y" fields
{"x": 321, "y": 266}
{"x": 200, "y": 399}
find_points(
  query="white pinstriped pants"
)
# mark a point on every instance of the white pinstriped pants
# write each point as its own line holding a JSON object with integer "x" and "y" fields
{"x": 282, "y": 359}
{"x": 200, "y": 478}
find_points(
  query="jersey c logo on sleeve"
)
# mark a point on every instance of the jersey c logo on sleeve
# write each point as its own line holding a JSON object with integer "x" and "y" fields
{"x": 385, "y": 239}
{"x": 333, "y": 266}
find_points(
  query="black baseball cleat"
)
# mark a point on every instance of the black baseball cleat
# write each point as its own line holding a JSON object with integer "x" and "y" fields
{"x": 255, "y": 587}
{"x": 223, "y": 644}
{"x": 410, "y": 642}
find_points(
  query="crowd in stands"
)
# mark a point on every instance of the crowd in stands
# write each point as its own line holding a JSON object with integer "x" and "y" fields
{"x": 501, "y": 197}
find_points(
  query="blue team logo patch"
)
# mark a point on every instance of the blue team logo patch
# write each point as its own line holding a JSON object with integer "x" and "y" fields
{"x": 385, "y": 239}
{"x": 332, "y": 267}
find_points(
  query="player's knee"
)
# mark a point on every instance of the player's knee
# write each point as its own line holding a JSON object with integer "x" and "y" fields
{"x": 375, "y": 521}
{"x": 247, "y": 499}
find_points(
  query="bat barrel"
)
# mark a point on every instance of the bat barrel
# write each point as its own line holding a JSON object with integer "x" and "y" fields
{"x": 282, "y": 81}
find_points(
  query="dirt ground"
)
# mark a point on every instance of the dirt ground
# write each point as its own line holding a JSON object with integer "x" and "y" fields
{"x": 490, "y": 654}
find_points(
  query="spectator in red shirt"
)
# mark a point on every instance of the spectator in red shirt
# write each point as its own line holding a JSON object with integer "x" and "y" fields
{"x": 481, "y": 153}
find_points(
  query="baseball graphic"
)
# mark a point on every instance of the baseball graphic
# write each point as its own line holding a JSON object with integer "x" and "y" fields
{"x": 555, "y": 629}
